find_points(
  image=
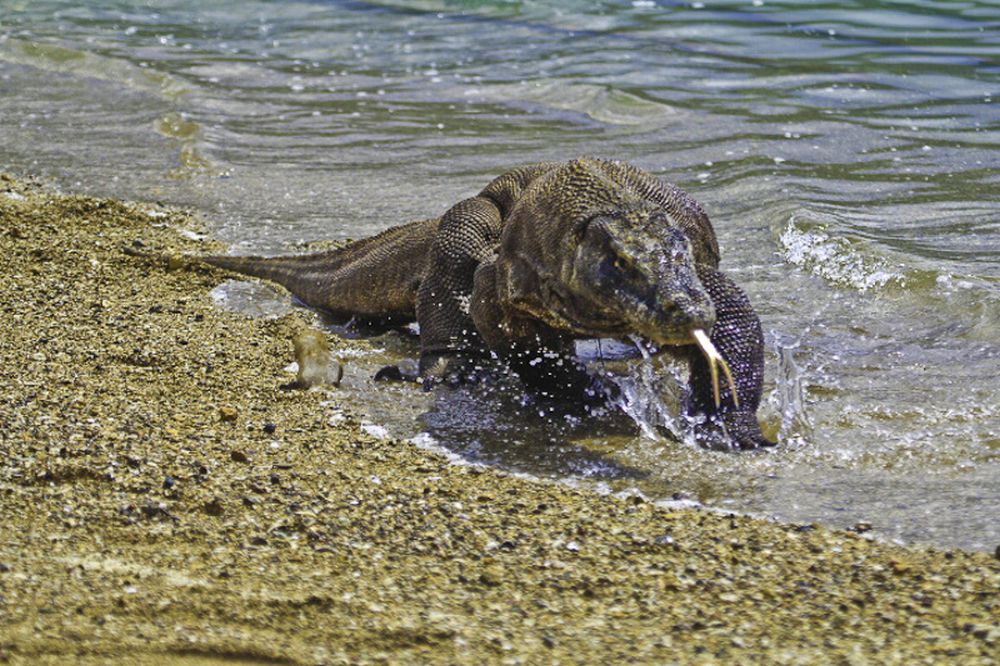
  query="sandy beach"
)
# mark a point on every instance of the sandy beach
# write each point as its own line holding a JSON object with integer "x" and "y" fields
{"x": 164, "y": 500}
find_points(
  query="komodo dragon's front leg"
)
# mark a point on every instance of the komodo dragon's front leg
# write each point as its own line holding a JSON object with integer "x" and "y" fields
{"x": 466, "y": 237}
{"x": 539, "y": 355}
{"x": 738, "y": 337}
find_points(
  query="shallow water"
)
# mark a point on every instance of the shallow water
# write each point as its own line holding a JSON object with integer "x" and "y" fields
{"x": 847, "y": 152}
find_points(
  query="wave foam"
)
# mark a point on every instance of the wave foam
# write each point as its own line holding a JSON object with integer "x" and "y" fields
{"x": 836, "y": 259}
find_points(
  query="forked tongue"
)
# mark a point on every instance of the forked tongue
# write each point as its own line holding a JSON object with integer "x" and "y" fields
{"x": 715, "y": 361}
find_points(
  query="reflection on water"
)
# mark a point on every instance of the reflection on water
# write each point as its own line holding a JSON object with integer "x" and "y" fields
{"x": 847, "y": 152}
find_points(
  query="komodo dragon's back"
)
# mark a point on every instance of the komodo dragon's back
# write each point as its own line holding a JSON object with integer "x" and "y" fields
{"x": 546, "y": 254}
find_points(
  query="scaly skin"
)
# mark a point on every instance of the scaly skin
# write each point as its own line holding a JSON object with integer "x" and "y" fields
{"x": 544, "y": 255}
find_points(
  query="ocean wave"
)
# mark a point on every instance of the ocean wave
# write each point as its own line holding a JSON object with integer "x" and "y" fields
{"x": 838, "y": 259}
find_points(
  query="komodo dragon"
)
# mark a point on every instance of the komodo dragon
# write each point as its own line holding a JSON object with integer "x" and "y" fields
{"x": 545, "y": 255}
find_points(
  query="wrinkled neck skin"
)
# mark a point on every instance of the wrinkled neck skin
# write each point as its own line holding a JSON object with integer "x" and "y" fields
{"x": 613, "y": 273}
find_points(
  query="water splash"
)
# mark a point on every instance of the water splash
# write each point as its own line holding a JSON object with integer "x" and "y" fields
{"x": 652, "y": 396}
{"x": 836, "y": 259}
{"x": 796, "y": 425}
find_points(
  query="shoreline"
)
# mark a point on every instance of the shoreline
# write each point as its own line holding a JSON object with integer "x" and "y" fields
{"x": 161, "y": 497}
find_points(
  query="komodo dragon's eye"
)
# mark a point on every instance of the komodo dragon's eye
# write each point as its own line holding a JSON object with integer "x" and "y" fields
{"x": 622, "y": 263}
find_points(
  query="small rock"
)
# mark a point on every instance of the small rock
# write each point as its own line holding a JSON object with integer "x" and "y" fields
{"x": 983, "y": 632}
{"x": 168, "y": 483}
{"x": 228, "y": 414}
{"x": 214, "y": 507}
{"x": 389, "y": 373}
{"x": 312, "y": 353}
{"x": 4, "y": 567}
{"x": 862, "y": 527}
{"x": 269, "y": 428}
{"x": 150, "y": 510}
{"x": 491, "y": 576}
{"x": 238, "y": 456}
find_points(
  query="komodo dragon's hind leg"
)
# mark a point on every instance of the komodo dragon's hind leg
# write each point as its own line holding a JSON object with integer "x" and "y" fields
{"x": 467, "y": 236}
{"x": 738, "y": 337}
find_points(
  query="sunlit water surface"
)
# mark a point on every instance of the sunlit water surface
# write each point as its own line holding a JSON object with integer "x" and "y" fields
{"x": 847, "y": 152}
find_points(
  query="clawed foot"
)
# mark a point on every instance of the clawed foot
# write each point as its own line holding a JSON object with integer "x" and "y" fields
{"x": 453, "y": 370}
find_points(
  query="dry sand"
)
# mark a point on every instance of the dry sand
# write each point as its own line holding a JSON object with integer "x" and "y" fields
{"x": 162, "y": 500}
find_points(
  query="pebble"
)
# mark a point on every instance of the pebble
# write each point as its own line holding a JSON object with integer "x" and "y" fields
{"x": 215, "y": 507}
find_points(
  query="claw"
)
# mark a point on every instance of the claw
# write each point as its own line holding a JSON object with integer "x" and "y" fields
{"x": 715, "y": 360}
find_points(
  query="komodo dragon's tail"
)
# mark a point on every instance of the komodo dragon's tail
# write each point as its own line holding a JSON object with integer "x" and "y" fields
{"x": 374, "y": 278}
{"x": 303, "y": 275}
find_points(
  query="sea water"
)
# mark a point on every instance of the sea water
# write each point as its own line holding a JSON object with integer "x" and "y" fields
{"x": 848, "y": 154}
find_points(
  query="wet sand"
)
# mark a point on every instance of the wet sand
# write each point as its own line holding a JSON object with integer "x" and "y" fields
{"x": 164, "y": 500}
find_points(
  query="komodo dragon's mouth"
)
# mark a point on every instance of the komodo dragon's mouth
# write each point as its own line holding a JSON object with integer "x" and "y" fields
{"x": 715, "y": 361}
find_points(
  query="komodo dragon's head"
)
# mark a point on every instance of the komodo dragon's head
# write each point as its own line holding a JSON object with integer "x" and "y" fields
{"x": 632, "y": 272}
{"x": 617, "y": 272}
